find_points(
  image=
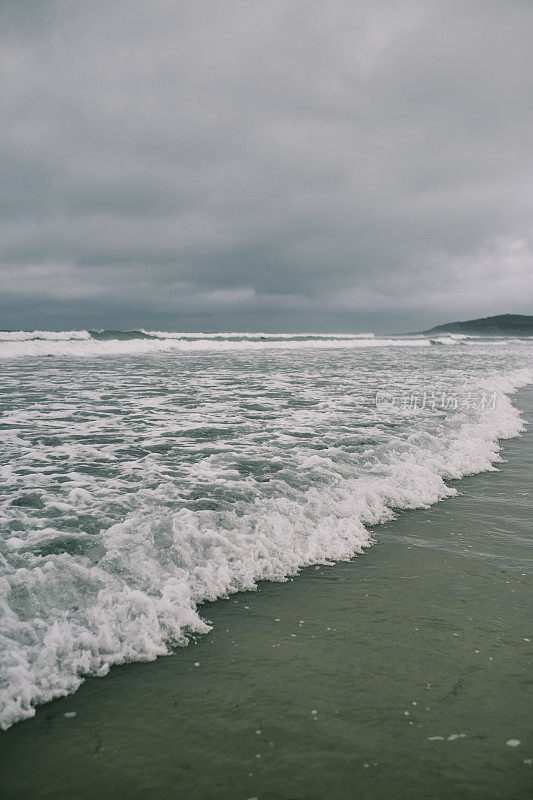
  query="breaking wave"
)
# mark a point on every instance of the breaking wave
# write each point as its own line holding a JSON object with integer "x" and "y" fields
{"x": 112, "y": 543}
{"x": 15, "y": 344}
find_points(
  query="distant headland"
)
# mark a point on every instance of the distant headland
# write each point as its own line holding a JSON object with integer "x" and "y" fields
{"x": 503, "y": 324}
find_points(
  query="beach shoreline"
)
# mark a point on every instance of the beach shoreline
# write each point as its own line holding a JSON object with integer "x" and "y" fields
{"x": 400, "y": 673}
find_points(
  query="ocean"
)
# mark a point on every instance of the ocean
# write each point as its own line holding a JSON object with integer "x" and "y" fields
{"x": 146, "y": 473}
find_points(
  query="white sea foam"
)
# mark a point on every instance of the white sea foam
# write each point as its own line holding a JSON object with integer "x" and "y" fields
{"x": 15, "y": 344}
{"x": 74, "y": 602}
{"x": 27, "y": 336}
{"x": 447, "y": 339}
{"x": 247, "y": 335}
{"x": 119, "y": 347}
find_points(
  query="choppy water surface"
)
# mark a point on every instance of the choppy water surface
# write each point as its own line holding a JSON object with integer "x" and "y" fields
{"x": 141, "y": 479}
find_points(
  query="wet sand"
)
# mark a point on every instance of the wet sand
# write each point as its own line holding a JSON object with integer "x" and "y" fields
{"x": 405, "y": 673}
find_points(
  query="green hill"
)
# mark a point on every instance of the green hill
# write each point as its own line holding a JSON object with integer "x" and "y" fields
{"x": 503, "y": 324}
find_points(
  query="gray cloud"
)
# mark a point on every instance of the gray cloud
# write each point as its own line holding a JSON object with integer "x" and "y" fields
{"x": 290, "y": 164}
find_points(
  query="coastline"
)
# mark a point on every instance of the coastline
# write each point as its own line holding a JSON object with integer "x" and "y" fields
{"x": 436, "y": 601}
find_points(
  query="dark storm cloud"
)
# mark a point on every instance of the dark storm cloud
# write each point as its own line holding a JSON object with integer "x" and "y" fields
{"x": 249, "y": 164}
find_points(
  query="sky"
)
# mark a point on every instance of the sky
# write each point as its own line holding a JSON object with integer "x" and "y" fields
{"x": 287, "y": 165}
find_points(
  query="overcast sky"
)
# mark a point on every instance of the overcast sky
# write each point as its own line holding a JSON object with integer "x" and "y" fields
{"x": 265, "y": 164}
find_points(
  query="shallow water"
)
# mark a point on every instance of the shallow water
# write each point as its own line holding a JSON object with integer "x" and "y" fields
{"x": 403, "y": 673}
{"x": 138, "y": 482}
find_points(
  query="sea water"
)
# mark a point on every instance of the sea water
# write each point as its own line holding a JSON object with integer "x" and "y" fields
{"x": 144, "y": 473}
